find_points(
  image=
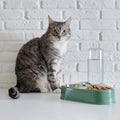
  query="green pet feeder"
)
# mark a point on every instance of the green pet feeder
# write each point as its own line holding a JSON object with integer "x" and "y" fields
{"x": 101, "y": 97}
{"x": 94, "y": 91}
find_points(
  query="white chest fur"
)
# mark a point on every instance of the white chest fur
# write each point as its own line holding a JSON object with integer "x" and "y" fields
{"x": 61, "y": 46}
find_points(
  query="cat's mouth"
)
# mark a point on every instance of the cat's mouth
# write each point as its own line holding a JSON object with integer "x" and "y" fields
{"x": 59, "y": 37}
{"x": 62, "y": 38}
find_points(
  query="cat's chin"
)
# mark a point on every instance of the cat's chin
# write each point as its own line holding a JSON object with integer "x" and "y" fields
{"x": 61, "y": 39}
{"x": 64, "y": 39}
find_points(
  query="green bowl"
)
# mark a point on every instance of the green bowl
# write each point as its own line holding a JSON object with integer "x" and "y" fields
{"x": 100, "y": 97}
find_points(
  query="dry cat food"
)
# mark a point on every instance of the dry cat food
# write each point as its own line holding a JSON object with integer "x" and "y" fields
{"x": 94, "y": 87}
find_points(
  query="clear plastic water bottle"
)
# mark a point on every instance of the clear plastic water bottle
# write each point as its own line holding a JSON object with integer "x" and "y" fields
{"x": 95, "y": 66}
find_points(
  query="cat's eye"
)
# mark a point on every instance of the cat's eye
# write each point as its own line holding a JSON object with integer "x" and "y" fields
{"x": 55, "y": 30}
{"x": 64, "y": 31}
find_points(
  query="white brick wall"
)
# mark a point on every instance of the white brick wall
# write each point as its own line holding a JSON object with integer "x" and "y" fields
{"x": 9, "y": 14}
{"x": 12, "y": 36}
{"x": 96, "y": 4}
{"x": 95, "y": 23}
{"x": 98, "y": 24}
{"x": 22, "y": 25}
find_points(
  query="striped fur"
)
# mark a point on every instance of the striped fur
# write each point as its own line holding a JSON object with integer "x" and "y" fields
{"x": 38, "y": 60}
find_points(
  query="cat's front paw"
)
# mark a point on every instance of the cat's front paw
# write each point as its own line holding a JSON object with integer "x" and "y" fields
{"x": 44, "y": 90}
{"x": 58, "y": 90}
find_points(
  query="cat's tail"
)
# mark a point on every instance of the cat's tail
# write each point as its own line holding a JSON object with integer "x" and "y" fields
{"x": 14, "y": 92}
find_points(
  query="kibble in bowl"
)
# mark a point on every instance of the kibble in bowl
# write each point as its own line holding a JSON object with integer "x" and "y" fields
{"x": 94, "y": 87}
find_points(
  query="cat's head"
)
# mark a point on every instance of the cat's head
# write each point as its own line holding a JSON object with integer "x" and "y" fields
{"x": 59, "y": 29}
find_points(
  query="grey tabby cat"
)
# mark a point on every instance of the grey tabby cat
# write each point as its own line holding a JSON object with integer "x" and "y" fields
{"x": 38, "y": 60}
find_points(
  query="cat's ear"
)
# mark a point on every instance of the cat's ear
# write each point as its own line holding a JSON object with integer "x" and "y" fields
{"x": 68, "y": 22}
{"x": 50, "y": 21}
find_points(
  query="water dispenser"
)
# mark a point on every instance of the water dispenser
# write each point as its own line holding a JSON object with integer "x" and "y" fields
{"x": 95, "y": 66}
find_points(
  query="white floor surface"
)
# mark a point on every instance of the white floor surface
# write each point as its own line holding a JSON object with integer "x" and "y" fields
{"x": 37, "y": 106}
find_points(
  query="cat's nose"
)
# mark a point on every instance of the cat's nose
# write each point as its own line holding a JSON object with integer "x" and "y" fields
{"x": 59, "y": 36}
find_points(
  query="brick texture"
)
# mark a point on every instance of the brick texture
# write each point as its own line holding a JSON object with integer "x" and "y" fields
{"x": 96, "y": 4}
{"x": 1, "y": 25}
{"x": 110, "y": 35}
{"x": 17, "y": 4}
{"x": 22, "y": 25}
{"x": 82, "y": 14}
{"x": 11, "y": 36}
{"x": 60, "y": 4}
{"x": 42, "y": 13}
{"x": 95, "y": 23}
{"x": 111, "y": 14}
{"x": 11, "y": 14}
{"x": 98, "y": 24}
